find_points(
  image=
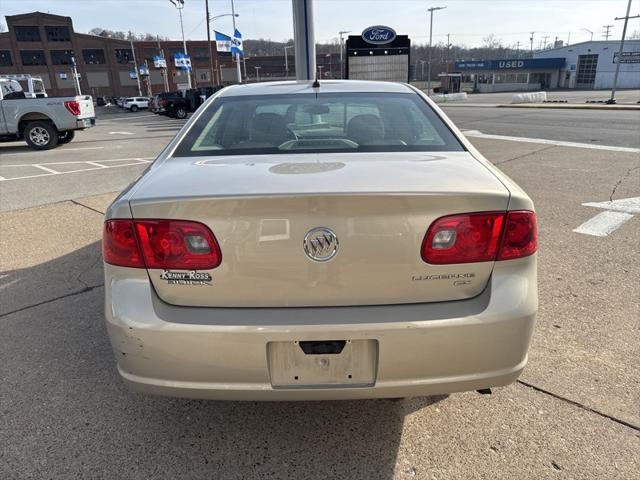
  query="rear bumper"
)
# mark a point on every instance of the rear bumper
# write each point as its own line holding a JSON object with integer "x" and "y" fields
{"x": 85, "y": 123}
{"x": 221, "y": 353}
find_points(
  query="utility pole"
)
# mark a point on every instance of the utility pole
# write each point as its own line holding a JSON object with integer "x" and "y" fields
{"x": 233, "y": 12}
{"x": 212, "y": 67}
{"x": 531, "y": 40}
{"x": 341, "y": 49}
{"x": 624, "y": 32}
{"x": 135, "y": 64}
{"x": 257, "y": 73}
{"x": 431, "y": 10}
{"x": 448, "y": 48}
{"x": 518, "y": 49}
{"x": 606, "y": 33}
{"x": 544, "y": 41}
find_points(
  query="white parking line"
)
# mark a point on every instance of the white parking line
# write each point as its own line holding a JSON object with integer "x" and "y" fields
{"x": 93, "y": 166}
{"x": 120, "y": 133}
{"x": 603, "y": 224}
{"x": 46, "y": 169}
{"x": 559, "y": 143}
{"x": 30, "y": 152}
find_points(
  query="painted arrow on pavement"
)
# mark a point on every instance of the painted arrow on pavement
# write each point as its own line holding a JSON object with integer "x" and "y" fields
{"x": 616, "y": 213}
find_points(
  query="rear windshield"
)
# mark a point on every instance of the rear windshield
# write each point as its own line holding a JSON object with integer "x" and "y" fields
{"x": 326, "y": 122}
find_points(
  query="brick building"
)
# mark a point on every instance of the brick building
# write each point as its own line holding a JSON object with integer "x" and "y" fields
{"x": 42, "y": 44}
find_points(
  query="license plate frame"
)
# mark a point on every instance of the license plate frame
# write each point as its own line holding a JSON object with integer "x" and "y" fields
{"x": 355, "y": 366}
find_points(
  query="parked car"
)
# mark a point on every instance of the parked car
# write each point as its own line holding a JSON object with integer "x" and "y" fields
{"x": 179, "y": 106}
{"x": 296, "y": 242}
{"x": 160, "y": 102}
{"x": 100, "y": 101}
{"x": 135, "y": 103}
{"x": 42, "y": 122}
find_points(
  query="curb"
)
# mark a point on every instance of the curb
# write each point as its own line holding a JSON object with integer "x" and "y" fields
{"x": 575, "y": 106}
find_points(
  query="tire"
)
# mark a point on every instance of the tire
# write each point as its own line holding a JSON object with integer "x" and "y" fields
{"x": 134, "y": 108}
{"x": 181, "y": 113}
{"x": 40, "y": 135}
{"x": 66, "y": 137}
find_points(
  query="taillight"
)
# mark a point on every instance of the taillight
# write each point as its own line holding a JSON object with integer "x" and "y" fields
{"x": 73, "y": 106}
{"x": 520, "y": 238}
{"x": 119, "y": 244}
{"x": 480, "y": 237}
{"x": 161, "y": 244}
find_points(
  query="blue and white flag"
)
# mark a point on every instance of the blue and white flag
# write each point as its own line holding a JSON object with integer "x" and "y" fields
{"x": 236, "y": 43}
{"x": 182, "y": 61}
{"x": 143, "y": 70}
{"x": 223, "y": 42}
{"x": 159, "y": 62}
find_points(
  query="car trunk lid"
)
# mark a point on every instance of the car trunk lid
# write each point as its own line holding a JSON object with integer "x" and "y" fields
{"x": 379, "y": 205}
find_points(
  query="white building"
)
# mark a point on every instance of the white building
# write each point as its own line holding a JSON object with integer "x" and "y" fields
{"x": 592, "y": 65}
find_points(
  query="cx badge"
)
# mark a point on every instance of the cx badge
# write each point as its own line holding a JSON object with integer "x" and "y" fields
{"x": 320, "y": 244}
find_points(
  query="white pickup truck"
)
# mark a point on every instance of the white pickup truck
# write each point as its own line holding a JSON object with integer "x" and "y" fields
{"x": 42, "y": 122}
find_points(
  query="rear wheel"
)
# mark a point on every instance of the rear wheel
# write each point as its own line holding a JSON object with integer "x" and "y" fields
{"x": 66, "y": 137}
{"x": 134, "y": 108}
{"x": 181, "y": 113}
{"x": 40, "y": 135}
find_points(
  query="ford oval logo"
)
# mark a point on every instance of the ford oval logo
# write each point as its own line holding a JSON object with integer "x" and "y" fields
{"x": 379, "y": 35}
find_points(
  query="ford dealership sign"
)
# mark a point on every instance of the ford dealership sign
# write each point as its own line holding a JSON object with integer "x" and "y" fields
{"x": 378, "y": 35}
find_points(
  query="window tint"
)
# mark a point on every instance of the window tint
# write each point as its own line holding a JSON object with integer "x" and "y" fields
{"x": 32, "y": 57}
{"x": 61, "y": 57}
{"x": 57, "y": 34}
{"x": 27, "y": 33}
{"x": 344, "y": 122}
{"x": 5, "y": 58}
{"x": 124, "y": 55}
{"x": 94, "y": 56}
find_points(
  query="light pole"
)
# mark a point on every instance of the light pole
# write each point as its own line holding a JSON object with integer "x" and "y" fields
{"x": 431, "y": 10}
{"x": 233, "y": 16}
{"x": 587, "y": 30}
{"x": 179, "y": 4}
{"x": 257, "y": 73}
{"x": 135, "y": 63}
{"x": 320, "y": 67}
{"x": 211, "y": 19}
{"x": 286, "y": 61}
{"x": 341, "y": 49}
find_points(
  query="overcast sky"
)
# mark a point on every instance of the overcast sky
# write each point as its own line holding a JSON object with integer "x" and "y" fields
{"x": 468, "y": 21}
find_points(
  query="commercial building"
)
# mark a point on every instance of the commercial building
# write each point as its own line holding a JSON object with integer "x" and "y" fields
{"x": 582, "y": 65}
{"x": 43, "y": 45}
{"x": 593, "y": 64}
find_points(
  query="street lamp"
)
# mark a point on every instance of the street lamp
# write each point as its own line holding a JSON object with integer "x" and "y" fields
{"x": 341, "y": 48}
{"x": 257, "y": 73}
{"x": 179, "y": 4}
{"x": 215, "y": 17}
{"x": 286, "y": 61}
{"x": 431, "y": 10}
{"x": 587, "y": 30}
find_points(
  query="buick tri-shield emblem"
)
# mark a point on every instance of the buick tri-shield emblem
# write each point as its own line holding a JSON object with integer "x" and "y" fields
{"x": 320, "y": 244}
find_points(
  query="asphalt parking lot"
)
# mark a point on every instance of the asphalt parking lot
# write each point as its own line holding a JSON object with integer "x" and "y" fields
{"x": 574, "y": 413}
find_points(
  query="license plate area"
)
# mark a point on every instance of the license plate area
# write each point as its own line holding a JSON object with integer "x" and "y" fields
{"x": 327, "y": 363}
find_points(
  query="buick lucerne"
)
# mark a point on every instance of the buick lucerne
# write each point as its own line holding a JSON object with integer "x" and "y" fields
{"x": 305, "y": 242}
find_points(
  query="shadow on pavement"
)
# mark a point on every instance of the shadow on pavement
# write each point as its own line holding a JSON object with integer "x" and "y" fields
{"x": 67, "y": 413}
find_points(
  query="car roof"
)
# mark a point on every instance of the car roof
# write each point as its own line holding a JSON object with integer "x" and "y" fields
{"x": 306, "y": 86}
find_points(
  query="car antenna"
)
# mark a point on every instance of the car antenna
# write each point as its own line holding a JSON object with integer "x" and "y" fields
{"x": 316, "y": 83}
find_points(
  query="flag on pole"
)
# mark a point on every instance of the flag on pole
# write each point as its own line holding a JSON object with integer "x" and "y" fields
{"x": 223, "y": 42}
{"x": 182, "y": 61}
{"x": 236, "y": 43}
{"x": 159, "y": 62}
